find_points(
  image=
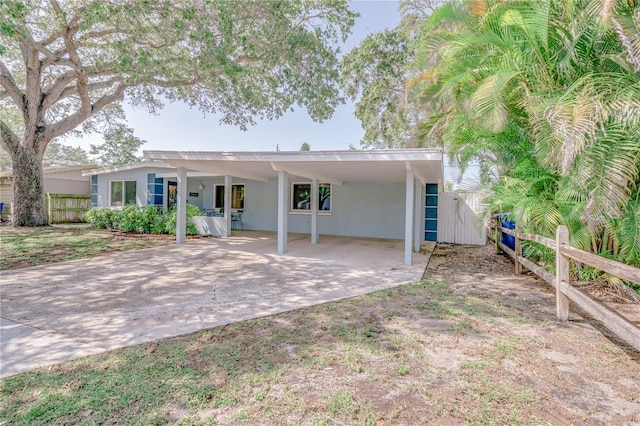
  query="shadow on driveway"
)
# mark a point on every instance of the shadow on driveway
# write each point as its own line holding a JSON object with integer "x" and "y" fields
{"x": 57, "y": 312}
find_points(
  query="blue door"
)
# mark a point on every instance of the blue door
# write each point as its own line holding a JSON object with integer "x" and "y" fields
{"x": 431, "y": 213}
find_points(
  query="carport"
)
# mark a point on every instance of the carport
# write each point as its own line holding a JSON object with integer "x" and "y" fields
{"x": 413, "y": 167}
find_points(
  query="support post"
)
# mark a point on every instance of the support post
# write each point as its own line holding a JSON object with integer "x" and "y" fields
{"x": 314, "y": 211}
{"x": 181, "y": 212}
{"x": 408, "y": 219}
{"x": 283, "y": 199}
{"x": 518, "y": 252}
{"x": 562, "y": 273}
{"x": 418, "y": 212}
{"x": 227, "y": 203}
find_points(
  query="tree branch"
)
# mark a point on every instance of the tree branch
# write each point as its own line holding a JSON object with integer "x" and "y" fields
{"x": 71, "y": 122}
{"x": 71, "y": 90}
{"x": 100, "y": 34}
{"x": 82, "y": 79}
{"x": 24, "y": 37}
{"x": 52, "y": 95}
{"x": 10, "y": 87}
{"x": 8, "y": 139}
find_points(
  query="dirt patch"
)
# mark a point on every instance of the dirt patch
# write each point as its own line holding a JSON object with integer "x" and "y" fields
{"x": 583, "y": 372}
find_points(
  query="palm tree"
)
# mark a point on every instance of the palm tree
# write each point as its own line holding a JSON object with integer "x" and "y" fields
{"x": 547, "y": 94}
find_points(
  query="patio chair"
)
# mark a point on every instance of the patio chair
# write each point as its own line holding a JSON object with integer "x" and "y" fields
{"x": 236, "y": 218}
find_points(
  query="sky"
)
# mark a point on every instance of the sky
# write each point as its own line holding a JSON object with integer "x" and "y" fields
{"x": 179, "y": 127}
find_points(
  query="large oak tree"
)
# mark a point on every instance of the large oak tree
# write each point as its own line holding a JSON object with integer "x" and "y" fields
{"x": 67, "y": 65}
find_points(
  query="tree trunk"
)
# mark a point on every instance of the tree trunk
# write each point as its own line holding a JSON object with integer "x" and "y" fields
{"x": 29, "y": 207}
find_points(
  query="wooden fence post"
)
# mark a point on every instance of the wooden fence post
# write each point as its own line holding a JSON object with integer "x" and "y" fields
{"x": 47, "y": 203}
{"x": 498, "y": 234}
{"x": 562, "y": 273}
{"x": 518, "y": 252}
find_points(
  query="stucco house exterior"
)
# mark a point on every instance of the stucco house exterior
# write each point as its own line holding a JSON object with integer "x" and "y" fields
{"x": 378, "y": 193}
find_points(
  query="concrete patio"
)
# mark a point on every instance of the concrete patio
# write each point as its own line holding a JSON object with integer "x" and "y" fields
{"x": 53, "y": 313}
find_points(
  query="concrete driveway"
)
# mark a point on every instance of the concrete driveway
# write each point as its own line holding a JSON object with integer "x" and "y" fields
{"x": 58, "y": 312}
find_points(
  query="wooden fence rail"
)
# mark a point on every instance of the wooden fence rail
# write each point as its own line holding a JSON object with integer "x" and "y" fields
{"x": 565, "y": 292}
{"x": 67, "y": 208}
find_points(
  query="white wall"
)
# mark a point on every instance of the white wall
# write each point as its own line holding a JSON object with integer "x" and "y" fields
{"x": 459, "y": 218}
{"x": 67, "y": 186}
{"x": 358, "y": 209}
{"x": 139, "y": 175}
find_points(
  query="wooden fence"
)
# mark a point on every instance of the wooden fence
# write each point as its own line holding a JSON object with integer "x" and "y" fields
{"x": 67, "y": 208}
{"x": 565, "y": 292}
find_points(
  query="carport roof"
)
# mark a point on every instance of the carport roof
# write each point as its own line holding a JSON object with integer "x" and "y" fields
{"x": 384, "y": 166}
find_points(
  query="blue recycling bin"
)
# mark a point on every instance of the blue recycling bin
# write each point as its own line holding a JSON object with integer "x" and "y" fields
{"x": 506, "y": 239}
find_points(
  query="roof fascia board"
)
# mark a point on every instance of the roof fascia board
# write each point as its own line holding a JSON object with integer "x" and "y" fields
{"x": 299, "y": 156}
{"x": 189, "y": 174}
{"x": 123, "y": 167}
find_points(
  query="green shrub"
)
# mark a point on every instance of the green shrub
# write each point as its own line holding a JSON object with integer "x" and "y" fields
{"x": 131, "y": 219}
{"x": 172, "y": 219}
{"x": 142, "y": 220}
{"x": 103, "y": 218}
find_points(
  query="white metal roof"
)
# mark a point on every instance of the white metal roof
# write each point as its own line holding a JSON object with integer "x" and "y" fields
{"x": 384, "y": 166}
{"x": 129, "y": 166}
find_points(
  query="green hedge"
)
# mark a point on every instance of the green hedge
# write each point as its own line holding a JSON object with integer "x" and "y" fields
{"x": 140, "y": 220}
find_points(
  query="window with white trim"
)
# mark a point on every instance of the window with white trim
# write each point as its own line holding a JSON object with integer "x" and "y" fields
{"x": 237, "y": 196}
{"x": 301, "y": 197}
{"x": 122, "y": 192}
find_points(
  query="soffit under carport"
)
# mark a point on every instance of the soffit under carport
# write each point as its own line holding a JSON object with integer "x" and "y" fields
{"x": 378, "y": 166}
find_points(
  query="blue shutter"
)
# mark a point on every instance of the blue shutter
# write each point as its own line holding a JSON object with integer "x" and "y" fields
{"x": 94, "y": 190}
{"x": 154, "y": 190}
{"x": 431, "y": 213}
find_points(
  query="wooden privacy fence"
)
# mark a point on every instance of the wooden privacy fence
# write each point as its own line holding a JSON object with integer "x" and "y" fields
{"x": 565, "y": 292}
{"x": 67, "y": 208}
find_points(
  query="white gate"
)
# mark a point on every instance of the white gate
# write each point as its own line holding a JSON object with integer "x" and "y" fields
{"x": 458, "y": 218}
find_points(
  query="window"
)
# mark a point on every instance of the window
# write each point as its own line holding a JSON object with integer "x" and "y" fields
{"x": 237, "y": 196}
{"x": 123, "y": 192}
{"x": 301, "y": 196}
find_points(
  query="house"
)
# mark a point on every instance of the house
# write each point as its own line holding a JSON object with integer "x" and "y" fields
{"x": 56, "y": 180}
{"x": 376, "y": 193}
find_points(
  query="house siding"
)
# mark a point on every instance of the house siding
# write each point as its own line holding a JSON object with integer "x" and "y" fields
{"x": 139, "y": 175}
{"x": 358, "y": 210}
{"x": 67, "y": 186}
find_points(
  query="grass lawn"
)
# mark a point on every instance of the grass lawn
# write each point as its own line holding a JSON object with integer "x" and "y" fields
{"x": 343, "y": 363}
{"x": 21, "y": 247}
